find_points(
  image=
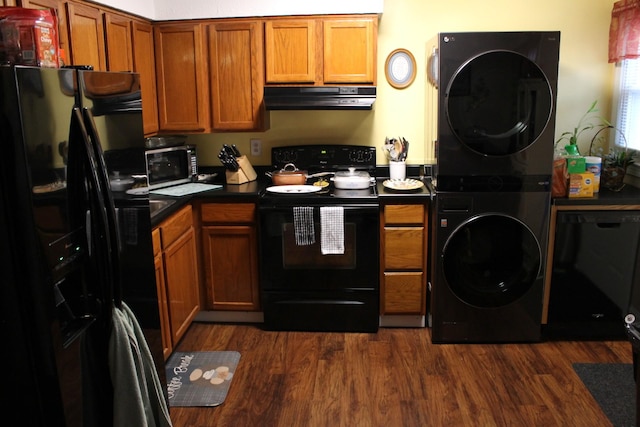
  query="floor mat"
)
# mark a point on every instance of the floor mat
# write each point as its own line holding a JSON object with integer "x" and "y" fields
{"x": 200, "y": 378}
{"x": 613, "y": 387}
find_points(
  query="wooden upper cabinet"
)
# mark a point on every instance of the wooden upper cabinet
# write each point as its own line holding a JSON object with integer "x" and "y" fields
{"x": 182, "y": 71}
{"x": 321, "y": 50}
{"x": 86, "y": 34}
{"x": 236, "y": 76}
{"x": 144, "y": 64}
{"x": 350, "y": 51}
{"x": 292, "y": 53}
{"x": 119, "y": 45}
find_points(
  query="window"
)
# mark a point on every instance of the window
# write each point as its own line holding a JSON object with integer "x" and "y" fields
{"x": 628, "y": 105}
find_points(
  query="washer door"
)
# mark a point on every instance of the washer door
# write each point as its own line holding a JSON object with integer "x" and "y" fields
{"x": 491, "y": 260}
{"x": 498, "y": 103}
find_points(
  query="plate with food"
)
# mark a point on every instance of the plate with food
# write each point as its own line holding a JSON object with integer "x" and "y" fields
{"x": 403, "y": 184}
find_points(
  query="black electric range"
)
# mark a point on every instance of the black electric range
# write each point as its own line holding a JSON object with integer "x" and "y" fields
{"x": 319, "y": 251}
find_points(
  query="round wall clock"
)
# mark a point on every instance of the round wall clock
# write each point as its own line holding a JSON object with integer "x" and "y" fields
{"x": 400, "y": 68}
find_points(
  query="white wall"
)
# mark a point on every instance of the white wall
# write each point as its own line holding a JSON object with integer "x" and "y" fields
{"x": 161, "y": 10}
{"x": 144, "y": 8}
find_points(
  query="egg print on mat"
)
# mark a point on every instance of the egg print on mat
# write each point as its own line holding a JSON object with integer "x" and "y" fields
{"x": 208, "y": 375}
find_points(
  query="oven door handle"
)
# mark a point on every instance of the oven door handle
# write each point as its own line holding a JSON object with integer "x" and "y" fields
{"x": 361, "y": 208}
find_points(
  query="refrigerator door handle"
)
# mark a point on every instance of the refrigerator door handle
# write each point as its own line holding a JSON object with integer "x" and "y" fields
{"x": 98, "y": 236}
{"x": 110, "y": 210}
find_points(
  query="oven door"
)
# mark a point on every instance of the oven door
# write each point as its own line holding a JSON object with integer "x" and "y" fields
{"x": 302, "y": 289}
{"x": 286, "y": 265}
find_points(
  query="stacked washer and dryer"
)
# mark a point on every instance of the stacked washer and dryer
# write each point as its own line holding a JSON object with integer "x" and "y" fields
{"x": 496, "y": 104}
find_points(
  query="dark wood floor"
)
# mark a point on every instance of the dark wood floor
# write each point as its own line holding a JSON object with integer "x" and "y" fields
{"x": 396, "y": 377}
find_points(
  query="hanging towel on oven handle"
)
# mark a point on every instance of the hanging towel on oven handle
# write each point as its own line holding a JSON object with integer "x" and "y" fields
{"x": 303, "y": 227}
{"x": 332, "y": 230}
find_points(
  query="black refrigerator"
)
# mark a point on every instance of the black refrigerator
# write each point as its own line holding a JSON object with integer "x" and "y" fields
{"x": 71, "y": 249}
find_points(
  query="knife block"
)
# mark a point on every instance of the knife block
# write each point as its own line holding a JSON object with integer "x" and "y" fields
{"x": 244, "y": 174}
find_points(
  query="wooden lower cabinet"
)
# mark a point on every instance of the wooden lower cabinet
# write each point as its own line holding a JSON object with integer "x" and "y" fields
{"x": 177, "y": 273}
{"x": 230, "y": 254}
{"x": 181, "y": 274}
{"x": 167, "y": 344}
{"x": 403, "y": 261}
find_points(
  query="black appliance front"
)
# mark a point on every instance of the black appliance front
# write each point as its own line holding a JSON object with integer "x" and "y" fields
{"x": 632, "y": 327}
{"x": 488, "y": 266}
{"x": 59, "y": 220}
{"x": 595, "y": 268}
{"x": 496, "y": 105}
{"x": 304, "y": 289}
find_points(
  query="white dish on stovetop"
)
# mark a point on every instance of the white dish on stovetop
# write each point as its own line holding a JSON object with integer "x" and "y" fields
{"x": 403, "y": 184}
{"x": 294, "y": 189}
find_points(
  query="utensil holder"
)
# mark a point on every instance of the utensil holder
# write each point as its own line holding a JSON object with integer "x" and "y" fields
{"x": 244, "y": 174}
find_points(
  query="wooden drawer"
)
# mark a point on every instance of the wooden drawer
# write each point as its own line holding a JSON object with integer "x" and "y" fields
{"x": 157, "y": 241}
{"x": 404, "y": 248}
{"x": 404, "y": 292}
{"x": 229, "y": 212}
{"x": 404, "y": 214}
{"x": 176, "y": 225}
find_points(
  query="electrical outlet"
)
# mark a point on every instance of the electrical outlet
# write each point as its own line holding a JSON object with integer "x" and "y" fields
{"x": 256, "y": 147}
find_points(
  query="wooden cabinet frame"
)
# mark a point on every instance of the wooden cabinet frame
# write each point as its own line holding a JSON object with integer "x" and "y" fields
{"x": 403, "y": 258}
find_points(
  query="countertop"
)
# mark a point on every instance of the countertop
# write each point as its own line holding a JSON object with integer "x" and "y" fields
{"x": 629, "y": 195}
{"x": 252, "y": 190}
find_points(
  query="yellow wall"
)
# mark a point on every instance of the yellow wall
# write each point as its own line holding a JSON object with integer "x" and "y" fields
{"x": 584, "y": 75}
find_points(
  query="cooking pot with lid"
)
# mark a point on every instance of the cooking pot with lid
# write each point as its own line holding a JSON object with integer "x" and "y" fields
{"x": 288, "y": 175}
{"x": 291, "y": 175}
{"x": 352, "y": 179}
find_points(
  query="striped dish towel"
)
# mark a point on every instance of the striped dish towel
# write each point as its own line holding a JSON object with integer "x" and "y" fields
{"x": 303, "y": 228}
{"x": 332, "y": 230}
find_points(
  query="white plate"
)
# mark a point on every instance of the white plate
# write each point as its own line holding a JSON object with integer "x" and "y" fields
{"x": 403, "y": 184}
{"x": 294, "y": 189}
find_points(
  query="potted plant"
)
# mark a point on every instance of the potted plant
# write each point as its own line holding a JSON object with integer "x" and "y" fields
{"x": 585, "y": 123}
{"x": 614, "y": 168}
{"x": 615, "y": 162}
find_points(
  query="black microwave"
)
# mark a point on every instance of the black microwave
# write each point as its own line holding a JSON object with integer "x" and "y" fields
{"x": 171, "y": 166}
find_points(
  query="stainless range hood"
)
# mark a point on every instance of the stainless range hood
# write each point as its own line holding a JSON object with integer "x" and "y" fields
{"x": 320, "y": 98}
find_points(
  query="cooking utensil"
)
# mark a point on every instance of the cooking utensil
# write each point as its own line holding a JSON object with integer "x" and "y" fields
{"x": 228, "y": 160}
{"x": 291, "y": 175}
{"x": 352, "y": 179}
{"x": 288, "y": 175}
{"x": 396, "y": 150}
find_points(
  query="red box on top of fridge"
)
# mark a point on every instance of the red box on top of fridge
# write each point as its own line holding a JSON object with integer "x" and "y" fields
{"x": 29, "y": 37}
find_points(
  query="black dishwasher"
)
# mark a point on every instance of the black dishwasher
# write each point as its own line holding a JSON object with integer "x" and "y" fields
{"x": 595, "y": 264}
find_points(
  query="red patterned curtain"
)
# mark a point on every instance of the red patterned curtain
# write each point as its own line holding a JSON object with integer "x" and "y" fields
{"x": 624, "y": 32}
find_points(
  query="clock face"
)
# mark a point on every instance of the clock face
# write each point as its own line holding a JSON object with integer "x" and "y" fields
{"x": 400, "y": 68}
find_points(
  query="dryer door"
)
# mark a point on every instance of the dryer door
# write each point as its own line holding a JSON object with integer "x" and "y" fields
{"x": 491, "y": 260}
{"x": 498, "y": 103}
